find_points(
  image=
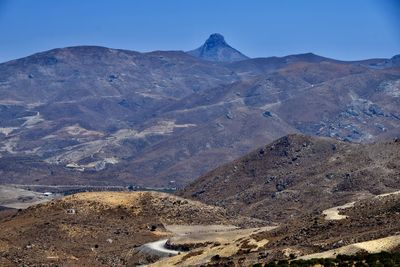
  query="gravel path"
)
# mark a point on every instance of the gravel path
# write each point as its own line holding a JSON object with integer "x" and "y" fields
{"x": 160, "y": 247}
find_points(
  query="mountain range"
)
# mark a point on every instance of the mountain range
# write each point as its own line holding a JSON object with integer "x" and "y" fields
{"x": 95, "y": 115}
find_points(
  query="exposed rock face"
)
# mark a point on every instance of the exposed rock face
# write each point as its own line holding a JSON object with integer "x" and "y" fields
{"x": 216, "y": 49}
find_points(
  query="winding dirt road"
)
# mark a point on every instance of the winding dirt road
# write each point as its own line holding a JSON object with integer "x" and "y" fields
{"x": 159, "y": 246}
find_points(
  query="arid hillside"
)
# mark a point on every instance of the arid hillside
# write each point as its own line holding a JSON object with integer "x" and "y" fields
{"x": 366, "y": 226}
{"x": 298, "y": 175}
{"x": 297, "y": 197}
{"x": 99, "y": 229}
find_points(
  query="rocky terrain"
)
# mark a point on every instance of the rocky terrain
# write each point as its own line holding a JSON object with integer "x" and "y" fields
{"x": 99, "y": 229}
{"x": 299, "y": 197}
{"x": 117, "y": 228}
{"x": 99, "y": 116}
{"x": 371, "y": 225}
{"x": 297, "y": 175}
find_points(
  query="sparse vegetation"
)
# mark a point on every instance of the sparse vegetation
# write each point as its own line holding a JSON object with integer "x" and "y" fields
{"x": 269, "y": 180}
{"x": 215, "y": 258}
{"x": 385, "y": 259}
{"x": 108, "y": 224}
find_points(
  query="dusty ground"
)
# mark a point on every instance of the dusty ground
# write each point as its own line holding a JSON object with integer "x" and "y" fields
{"x": 17, "y": 198}
{"x": 199, "y": 234}
{"x": 334, "y": 213}
{"x": 100, "y": 229}
{"x": 370, "y": 224}
{"x": 373, "y": 246}
{"x": 207, "y": 243}
{"x": 110, "y": 229}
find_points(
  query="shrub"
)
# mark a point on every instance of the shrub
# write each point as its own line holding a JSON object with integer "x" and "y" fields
{"x": 215, "y": 258}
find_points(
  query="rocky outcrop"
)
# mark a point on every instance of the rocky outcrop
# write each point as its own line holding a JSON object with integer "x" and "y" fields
{"x": 216, "y": 49}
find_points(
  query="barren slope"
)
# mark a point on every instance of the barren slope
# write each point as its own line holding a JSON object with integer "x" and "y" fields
{"x": 94, "y": 115}
{"x": 99, "y": 229}
{"x": 297, "y": 174}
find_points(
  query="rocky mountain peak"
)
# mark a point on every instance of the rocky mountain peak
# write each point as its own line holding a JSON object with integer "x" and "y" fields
{"x": 214, "y": 40}
{"x": 216, "y": 48}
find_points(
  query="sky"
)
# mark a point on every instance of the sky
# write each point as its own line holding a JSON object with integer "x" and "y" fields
{"x": 341, "y": 29}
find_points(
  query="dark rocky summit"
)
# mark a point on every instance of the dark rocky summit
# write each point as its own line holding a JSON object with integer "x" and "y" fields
{"x": 216, "y": 49}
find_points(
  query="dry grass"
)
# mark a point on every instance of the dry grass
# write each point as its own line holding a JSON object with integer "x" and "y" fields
{"x": 333, "y": 213}
{"x": 224, "y": 243}
{"x": 107, "y": 198}
{"x": 372, "y": 246}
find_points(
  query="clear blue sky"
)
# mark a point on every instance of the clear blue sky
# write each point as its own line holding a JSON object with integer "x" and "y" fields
{"x": 342, "y": 29}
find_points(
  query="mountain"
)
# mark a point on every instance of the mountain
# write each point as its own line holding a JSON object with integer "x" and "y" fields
{"x": 299, "y": 175}
{"x": 216, "y": 49}
{"x": 393, "y": 62}
{"x": 100, "y": 116}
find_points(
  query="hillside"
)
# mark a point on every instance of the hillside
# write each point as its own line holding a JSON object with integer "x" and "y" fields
{"x": 299, "y": 175}
{"x": 116, "y": 229}
{"x": 308, "y": 196}
{"x": 99, "y": 229}
{"x": 366, "y": 226}
{"x": 100, "y": 116}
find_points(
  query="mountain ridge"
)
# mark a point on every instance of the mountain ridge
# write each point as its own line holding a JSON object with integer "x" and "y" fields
{"x": 99, "y": 115}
